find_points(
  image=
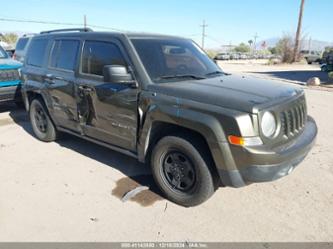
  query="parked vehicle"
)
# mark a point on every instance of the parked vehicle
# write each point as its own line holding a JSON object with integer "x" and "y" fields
{"x": 311, "y": 56}
{"x": 222, "y": 56}
{"x": 326, "y": 67}
{"x": 243, "y": 56}
{"x": 162, "y": 100}
{"x": 22, "y": 47}
{"x": 234, "y": 56}
{"x": 9, "y": 78}
{"x": 10, "y": 52}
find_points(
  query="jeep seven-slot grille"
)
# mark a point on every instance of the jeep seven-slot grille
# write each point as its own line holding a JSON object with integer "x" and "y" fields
{"x": 293, "y": 120}
{"x": 9, "y": 75}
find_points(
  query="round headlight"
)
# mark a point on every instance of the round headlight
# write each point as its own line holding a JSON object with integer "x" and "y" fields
{"x": 268, "y": 124}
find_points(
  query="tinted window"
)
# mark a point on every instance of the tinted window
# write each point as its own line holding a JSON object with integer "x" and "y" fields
{"x": 3, "y": 53}
{"x": 163, "y": 58}
{"x": 98, "y": 54}
{"x": 37, "y": 51}
{"x": 64, "y": 54}
{"x": 22, "y": 42}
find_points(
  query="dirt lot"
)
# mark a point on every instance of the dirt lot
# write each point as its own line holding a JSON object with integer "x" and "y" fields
{"x": 298, "y": 73}
{"x": 70, "y": 191}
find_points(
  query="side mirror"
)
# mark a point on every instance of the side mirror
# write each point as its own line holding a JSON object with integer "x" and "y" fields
{"x": 117, "y": 74}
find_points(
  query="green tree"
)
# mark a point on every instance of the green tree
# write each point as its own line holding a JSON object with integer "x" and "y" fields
{"x": 10, "y": 38}
{"x": 242, "y": 48}
{"x": 285, "y": 48}
{"x": 273, "y": 50}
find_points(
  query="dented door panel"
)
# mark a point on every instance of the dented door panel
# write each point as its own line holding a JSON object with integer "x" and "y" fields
{"x": 108, "y": 112}
{"x": 61, "y": 90}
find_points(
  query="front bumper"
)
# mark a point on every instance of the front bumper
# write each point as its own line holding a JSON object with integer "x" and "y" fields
{"x": 10, "y": 93}
{"x": 268, "y": 165}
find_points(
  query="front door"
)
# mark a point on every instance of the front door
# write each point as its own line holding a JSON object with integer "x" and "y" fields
{"x": 107, "y": 111}
{"x": 60, "y": 81}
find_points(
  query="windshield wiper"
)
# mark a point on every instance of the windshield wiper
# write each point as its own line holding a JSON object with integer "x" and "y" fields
{"x": 181, "y": 76}
{"x": 214, "y": 73}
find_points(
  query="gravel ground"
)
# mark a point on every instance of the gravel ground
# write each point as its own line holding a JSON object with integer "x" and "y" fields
{"x": 70, "y": 191}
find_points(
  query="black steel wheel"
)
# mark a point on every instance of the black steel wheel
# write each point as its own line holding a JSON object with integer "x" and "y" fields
{"x": 178, "y": 171}
{"x": 182, "y": 169}
{"x": 42, "y": 125}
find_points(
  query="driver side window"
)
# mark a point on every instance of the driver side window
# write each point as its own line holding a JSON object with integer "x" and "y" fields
{"x": 97, "y": 54}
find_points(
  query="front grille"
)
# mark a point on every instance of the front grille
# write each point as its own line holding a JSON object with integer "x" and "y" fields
{"x": 9, "y": 75}
{"x": 293, "y": 120}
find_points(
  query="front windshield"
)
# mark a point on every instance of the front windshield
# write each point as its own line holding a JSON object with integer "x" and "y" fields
{"x": 174, "y": 60}
{"x": 3, "y": 53}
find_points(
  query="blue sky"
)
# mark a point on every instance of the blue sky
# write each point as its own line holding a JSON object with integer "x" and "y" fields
{"x": 229, "y": 20}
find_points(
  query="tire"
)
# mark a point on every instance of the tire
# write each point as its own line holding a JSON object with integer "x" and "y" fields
{"x": 181, "y": 170}
{"x": 42, "y": 125}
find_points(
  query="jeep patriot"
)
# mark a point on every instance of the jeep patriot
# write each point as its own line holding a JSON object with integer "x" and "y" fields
{"x": 162, "y": 100}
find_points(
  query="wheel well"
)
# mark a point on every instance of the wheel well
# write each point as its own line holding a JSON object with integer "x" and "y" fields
{"x": 161, "y": 129}
{"x": 33, "y": 95}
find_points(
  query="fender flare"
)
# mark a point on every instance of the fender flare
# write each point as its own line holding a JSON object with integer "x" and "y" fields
{"x": 206, "y": 125}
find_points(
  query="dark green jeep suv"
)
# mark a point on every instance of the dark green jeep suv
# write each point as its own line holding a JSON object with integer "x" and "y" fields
{"x": 162, "y": 100}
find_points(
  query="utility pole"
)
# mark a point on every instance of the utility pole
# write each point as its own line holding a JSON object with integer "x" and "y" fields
{"x": 255, "y": 42}
{"x": 298, "y": 33}
{"x": 204, "y": 26}
{"x": 85, "y": 21}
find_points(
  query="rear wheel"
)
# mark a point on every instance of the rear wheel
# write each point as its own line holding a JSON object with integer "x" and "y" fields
{"x": 181, "y": 169}
{"x": 42, "y": 125}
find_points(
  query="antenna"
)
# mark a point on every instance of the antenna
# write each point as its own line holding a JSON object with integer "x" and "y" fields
{"x": 85, "y": 21}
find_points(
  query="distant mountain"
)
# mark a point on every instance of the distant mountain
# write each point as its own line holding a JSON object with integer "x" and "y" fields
{"x": 306, "y": 44}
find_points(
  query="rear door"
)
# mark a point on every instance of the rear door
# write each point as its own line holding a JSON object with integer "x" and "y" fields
{"x": 60, "y": 80}
{"x": 107, "y": 111}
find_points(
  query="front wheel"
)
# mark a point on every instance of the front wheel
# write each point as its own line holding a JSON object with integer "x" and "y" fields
{"x": 41, "y": 123}
{"x": 181, "y": 169}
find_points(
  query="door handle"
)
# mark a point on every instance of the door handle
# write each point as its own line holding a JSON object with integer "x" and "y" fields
{"x": 50, "y": 78}
{"x": 86, "y": 89}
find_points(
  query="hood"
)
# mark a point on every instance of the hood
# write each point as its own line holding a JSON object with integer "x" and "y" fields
{"x": 8, "y": 63}
{"x": 234, "y": 92}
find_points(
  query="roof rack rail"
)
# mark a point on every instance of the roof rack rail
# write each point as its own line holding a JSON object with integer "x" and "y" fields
{"x": 29, "y": 34}
{"x": 67, "y": 30}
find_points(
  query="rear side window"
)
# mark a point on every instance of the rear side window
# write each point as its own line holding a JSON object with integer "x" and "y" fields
{"x": 22, "y": 42}
{"x": 64, "y": 54}
{"x": 97, "y": 54}
{"x": 37, "y": 51}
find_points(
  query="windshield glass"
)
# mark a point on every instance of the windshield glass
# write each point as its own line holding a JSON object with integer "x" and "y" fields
{"x": 3, "y": 53}
{"x": 174, "y": 60}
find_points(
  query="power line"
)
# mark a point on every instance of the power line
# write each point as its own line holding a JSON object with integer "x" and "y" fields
{"x": 56, "y": 23}
{"x": 214, "y": 39}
